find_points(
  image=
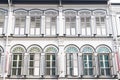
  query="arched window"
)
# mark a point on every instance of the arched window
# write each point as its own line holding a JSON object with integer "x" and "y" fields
{"x": 51, "y": 22}
{"x": 34, "y": 60}
{"x": 51, "y": 60}
{"x": 20, "y": 21}
{"x": 3, "y": 13}
{"x": 72, "y": 59}
{"x": 104, "y": 58}
{"x": 85, "y": 22}
{"x": 35, "y": 22}
{"x": 100, "y": 22}
{"x": 70, "y": 22}
{"x": 17, "y": 60}
{"x": 87, "y": 52}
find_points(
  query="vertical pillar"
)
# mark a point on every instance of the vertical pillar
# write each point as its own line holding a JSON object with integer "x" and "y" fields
{"x": 80, "y": 63}
{"x": 77, "y": 25}
{"x": 5, "y": 25}
{"x": 75, "y": 64}
{"x": 93, "y": 25}
{"x": 107, "y": 26}
{"x": 43, "y": 25}
{"x": 58, "y": 26}
{"x": 42, "y": 68}
{"x": 96, "y": 70}
{"x": 25, "y": 67}
{"x": 27, "y": 25}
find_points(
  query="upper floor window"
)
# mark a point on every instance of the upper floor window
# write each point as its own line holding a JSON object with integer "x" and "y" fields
{"x": 104, "y": 59}
{"x": 51, "y": 60}
{"x": 35, "y": 22}
{"x": 3, "y": 13}
{"x": 17, "y": 60}
{"x": 85, "y": 23}
{"x": 70, "y": 22}
{"x": 51, "y": 22}
{"x": 100, "y": 22}
{"x": 34, "y": 60}
{"x": 20, "y": 22}
{"x": 72, "y": 59}
{"x": 87, "y": 52}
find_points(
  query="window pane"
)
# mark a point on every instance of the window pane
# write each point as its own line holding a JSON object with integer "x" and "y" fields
{"x": 107, "y": 71}
{"x": 48, "y": 57}
{"x": 48, "y": 64}
{"x": 90, "y": 71}
{"x": 106, "y": 57}
{"x": 90, "y": 63}
{"x": 101, "y": 64}
{"x": 14, "y": 64}
{"x": 102, "y": 71}
{"x": 20, "y": 64}
{"x": 31, "y": 71}
{"x": 13, "y": 71}
{"x": 31, "y": 64}
{"x": 48, "y": 71}
{"x": 53, "y": 63}
{"x": 106, "y": 64}
{"x": 31, "y": 57}
{"x": 85, "y": 72}
{"x": 90, "y": 57}
{"x": 85, "y": 57}
{"x": 19, "y": 71}
{"x": 14, "y": 57}
{"x": 20, "y": 57}
{"x": 53, "y": 71}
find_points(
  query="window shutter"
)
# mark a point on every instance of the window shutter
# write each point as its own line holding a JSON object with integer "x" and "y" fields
{"x": 110, "y": 62}
{"x": 5, "y": 25}
{"x": 64, "y": 28}
{"x": 36, "y": 63}
{"x": 68, "y": 64}
{"x": 58, "y": 25}
{"x": 13, "y": 25}
{"x": 56, "y": 64}
{"x": 75, "y": 64}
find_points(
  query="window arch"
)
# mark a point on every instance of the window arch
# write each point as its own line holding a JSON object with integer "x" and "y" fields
{"x": 20, "y": 21}
{"x": 72, "y": 59}
{"x": 34, "y": 60}
{"x": 87, "y": 52}
{"x": 51, "y": 60}
{"x": 100, "y": 22}
{"x": 85, "y": 22}
{"x": 104, "y": 59}
{"x": 3, "y": 13}
{"x": 17, "y": 59}
{"x": 51, "y": 22}
{"x": 70, "y": 22}
{"x": 35, "y": 21}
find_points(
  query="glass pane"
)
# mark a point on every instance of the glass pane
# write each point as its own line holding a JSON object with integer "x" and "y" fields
{"x": 101, "y": 64}
{"x": 102, "y": 71}
{"x": 53, "y": 71}
{"x": 85, "y": 63}
{"x": 31, "y": 57}
{"x": 67, "y": 19}
{"x": 31, "y": 71}
{"x": 106, "y": 64}
{"x": 53, "y": 19}
{"x": 53, "y": 57}
{"x": 31, "y": 64}
{"x": 19, "y": 71}
{"x": 101, "y": 57}
{"x": 53, "y": 63}
{"x": 102, "y": 19}
{"x": 20, "y": 57}
{"x": 14, "y": 57}
{"x": 71, "y": 71}
{"x": 47, "y": 57}
{"x": 20, "y": 64}
{"x": 90, "y": 71}
{"x": 107, "y": 71}
{"x": 48, "y": 71}
{"x": 90, "y": 63}
{"x": 13, "y": 71}
{"x": 89, "y": 57}
{"x": 85, "y": 57}
{"x": 48, "y": 64}
{"x": 106, "y": 57}
{"x": 85, "y": 72}
{"x": 73, "y": 19}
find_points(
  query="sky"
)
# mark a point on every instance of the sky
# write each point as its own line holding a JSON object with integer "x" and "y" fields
{"x": 115, "y": 1}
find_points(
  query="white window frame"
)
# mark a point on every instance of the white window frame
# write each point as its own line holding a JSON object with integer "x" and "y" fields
{"x": 50, "y": 14}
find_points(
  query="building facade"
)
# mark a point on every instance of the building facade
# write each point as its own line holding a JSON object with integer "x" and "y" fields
{"x": 61, "y": 40}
